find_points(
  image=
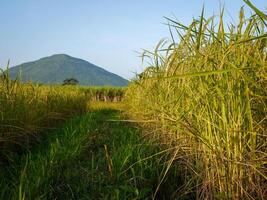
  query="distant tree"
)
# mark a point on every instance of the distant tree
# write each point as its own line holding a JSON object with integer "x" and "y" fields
{"x": 70, "y": 81}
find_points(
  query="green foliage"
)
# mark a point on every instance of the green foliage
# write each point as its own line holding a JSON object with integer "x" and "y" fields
{"x": 92, "y": 157}
{"x": 207, "y": 95}
{"x": 55, "y": 69}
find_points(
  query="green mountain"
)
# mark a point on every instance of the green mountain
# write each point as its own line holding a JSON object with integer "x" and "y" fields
{"x": 56, "y": 68}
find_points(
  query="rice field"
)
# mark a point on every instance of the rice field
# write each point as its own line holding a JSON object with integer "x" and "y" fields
{"x": 192, "y": 125}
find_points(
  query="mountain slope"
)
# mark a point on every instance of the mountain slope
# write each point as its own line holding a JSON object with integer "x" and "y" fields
{"x": 56, "y": 68}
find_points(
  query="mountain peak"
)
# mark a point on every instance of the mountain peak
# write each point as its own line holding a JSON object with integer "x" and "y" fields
{"x": 60, "y": 55}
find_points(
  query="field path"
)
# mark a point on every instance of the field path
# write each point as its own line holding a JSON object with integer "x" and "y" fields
{"x": 95, "y": 156}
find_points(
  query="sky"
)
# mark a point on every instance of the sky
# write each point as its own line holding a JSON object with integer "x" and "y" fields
{"x": 108, "y": 33}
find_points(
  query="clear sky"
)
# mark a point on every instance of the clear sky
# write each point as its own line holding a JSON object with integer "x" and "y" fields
{"x": 105, "y": 32}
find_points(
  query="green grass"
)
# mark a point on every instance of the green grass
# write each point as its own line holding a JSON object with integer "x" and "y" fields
{"x": 96, "y": 156}
{"x": 206, "y": 95}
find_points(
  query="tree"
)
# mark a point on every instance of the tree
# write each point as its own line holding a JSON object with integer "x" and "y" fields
{"x": 70, "y": 81}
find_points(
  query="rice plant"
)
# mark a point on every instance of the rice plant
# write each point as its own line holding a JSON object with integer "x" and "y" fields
{"x": 207, "y": 93}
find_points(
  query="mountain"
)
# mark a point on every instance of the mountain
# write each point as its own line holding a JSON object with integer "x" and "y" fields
{"x": 56, "y": 68}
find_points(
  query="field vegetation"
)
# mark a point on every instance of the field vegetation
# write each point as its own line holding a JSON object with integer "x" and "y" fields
{"x": 95, "y": 156}
{"x": 28, "y": 111}
{"x": 205, "y": 95}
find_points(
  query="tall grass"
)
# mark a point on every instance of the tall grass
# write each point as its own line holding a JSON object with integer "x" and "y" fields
{"x": 27, "y": 110}
{"x": 207, "y": 93}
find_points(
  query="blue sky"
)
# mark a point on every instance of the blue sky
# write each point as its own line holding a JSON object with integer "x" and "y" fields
{"x": 105, "y": 32}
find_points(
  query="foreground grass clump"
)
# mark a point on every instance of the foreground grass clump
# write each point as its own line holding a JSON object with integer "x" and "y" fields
{"x": 207, "y": 96}
{"x": 95, "y": 156}
{"x": 27, "y": 110}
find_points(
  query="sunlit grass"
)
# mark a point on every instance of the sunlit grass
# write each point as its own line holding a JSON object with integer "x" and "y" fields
{"x": 207, "y": 92}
